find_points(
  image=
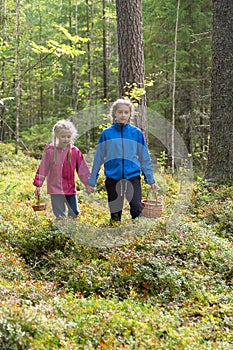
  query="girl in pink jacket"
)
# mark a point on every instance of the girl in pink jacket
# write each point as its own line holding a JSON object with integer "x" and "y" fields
{"x": 60, "y": 160}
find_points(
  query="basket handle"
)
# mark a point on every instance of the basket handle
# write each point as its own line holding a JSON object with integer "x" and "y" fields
{"x": 155, "y": 193}
{"x": 38, "y": 199}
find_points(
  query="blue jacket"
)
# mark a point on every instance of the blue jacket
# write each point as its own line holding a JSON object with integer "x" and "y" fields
{"x": 124, "y": 153}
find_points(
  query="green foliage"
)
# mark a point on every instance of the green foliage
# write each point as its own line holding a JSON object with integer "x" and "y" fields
{"x": 62, "y": 68}
{"x": 54, "y": 47}
{"x": 54, "y": 59}
{"x": 193, "y": 67}
{"x": 213, "y": 204}
{"x": 82, "y": 284}
{"x": 37, "y": 136}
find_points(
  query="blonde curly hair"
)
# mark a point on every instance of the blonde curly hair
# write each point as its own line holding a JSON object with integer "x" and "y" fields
{"x": 63, "y": 125}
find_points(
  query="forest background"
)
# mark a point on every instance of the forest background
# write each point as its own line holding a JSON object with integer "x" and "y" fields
{"x": 59, "y": 59}
{"x": 158, "y": 284}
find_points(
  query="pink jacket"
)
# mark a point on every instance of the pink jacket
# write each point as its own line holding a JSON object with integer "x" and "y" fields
{"x": 61, "y": 174}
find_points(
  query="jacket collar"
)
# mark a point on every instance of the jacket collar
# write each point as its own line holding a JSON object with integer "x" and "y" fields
{"x": 118, "y": 126}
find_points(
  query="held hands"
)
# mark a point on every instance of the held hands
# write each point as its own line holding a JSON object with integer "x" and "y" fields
{"x": 89, "y": 189}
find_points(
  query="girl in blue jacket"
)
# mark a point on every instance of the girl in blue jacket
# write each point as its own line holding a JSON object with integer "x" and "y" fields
{"x": 123, "y": 151}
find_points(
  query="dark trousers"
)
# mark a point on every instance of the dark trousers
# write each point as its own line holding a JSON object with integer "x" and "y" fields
{"x": 117, "y": 190}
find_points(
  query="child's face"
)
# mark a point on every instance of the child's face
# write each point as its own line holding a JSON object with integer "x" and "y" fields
{"x": 64, "y": 138}
{"x": 122, "y": 114}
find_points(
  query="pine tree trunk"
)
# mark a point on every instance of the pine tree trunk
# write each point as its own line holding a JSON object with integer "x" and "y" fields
{"x": 220, "y": 158}
{"x": 131, "y": 53}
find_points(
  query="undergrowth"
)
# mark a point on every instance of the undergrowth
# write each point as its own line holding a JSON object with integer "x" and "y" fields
{"x": 82, "y": 284}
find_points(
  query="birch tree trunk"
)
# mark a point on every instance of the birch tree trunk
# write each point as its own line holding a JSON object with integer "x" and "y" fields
{"x": 90, "y": 27}
{"x": 174, "y": 92}
{"x": 3, "y": 67}
{"x": 71, "y": 68}
{"x": 18, "y": 81}
{"x": 41, "y": 92}
{"x": 105, "y": 88}
{"x": 76, "y": 62}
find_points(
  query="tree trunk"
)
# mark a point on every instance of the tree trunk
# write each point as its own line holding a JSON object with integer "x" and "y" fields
{"x": 220, "y": 158}
{"x": 30, "y": 109}
{"x": 3, "y": 15}
{"x": 3, "y": 67}
{"x": 189, "y": 89}
{"x": 105, "y": 89}
{"x": 90, "y": 27}
{"x": 18, "y": 82}
{"x": 71, "y": 63}
{"x": 131, "y": 54}
{"x": 75, "y": 83}
{"x": 41, "y": 92}
{"x": 174, "y": 91}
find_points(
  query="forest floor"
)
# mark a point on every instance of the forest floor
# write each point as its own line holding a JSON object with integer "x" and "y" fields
{"x": 161, "y": 283}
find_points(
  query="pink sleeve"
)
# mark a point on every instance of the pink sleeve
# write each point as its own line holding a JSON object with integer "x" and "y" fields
{"x": 42, "y": 170}
{"x": 82, "y": 168}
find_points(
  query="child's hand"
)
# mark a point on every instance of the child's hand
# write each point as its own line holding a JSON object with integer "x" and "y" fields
{"x": 154, "y": 187}
{"x": 37, "y": 192}
{"x": 89, "y": 189}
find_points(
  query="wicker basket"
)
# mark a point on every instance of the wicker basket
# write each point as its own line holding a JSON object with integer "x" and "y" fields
{"x": 39, "y": 206}
{"x": 152, "y": 208}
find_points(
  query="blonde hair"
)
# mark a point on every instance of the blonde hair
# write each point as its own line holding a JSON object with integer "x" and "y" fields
{"x": 121, "y": 101}
{"x": 63, "y": 125}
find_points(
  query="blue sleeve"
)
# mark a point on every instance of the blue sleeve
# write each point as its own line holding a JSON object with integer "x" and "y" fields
{"x": 145, "y": 160}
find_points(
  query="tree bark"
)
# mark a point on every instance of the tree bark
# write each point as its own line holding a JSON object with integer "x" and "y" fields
{"x": 76, "y": 63}
{"x": 3, "y": 17}
{"x": 220, "y": 157}
{"x": 90, "y": 28}
{"x": 131, "y": 54}
{"x": 41, "y": 92}
{"x": 105, "y": 87}
{"x": 174, "y": 90}
{"x": 18, "y": 83}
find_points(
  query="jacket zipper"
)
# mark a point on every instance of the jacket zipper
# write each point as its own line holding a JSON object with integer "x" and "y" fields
{"x": 123, "y": 161}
